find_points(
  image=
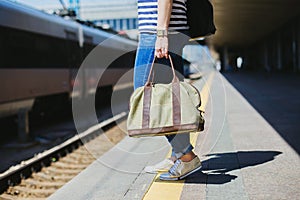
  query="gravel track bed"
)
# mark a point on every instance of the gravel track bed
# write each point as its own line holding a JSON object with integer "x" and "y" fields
{"x": 42, "y": 184}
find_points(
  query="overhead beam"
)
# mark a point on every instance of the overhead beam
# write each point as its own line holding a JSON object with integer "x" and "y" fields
{"x": 242, "y": 22}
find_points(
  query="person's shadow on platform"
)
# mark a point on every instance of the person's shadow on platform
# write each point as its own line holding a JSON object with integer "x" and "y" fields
{"x": 219, "y": 164}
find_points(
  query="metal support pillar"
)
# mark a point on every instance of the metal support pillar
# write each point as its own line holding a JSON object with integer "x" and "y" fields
{"x": 71, "y": 6}
{"x": 278, "y": 52}
{"x": 225, "y": 60}
{"x": 298, "y": 44}
{"x": 23, "y": 125}
{"x": 77, "y": 8}
{"x": 265, "y": 58}
{"x": 294, "y": 48}
{"x": 74, "y": 5}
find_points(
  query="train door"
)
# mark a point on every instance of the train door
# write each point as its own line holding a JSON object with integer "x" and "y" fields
{"x": 74, "y": 59}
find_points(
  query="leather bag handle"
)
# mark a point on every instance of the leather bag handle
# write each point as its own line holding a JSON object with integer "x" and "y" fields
{"x": 176, "y": 107}
{"x": 175, "y": 78}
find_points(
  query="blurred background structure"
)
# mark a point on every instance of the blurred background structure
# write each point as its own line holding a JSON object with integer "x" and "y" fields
{"x": 244, "y": 28}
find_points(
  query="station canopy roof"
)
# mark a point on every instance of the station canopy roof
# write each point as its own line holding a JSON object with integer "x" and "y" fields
{"x": 242, "y": 22}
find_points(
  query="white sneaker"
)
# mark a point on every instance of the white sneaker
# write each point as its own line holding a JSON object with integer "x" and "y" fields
{"x": 162, "y": 166}
{"x": 180, "y": 170}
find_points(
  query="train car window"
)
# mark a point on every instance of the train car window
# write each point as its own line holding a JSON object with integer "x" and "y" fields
{"x": 88, "y": 39}
{"x": 88, "y": 45}
{"x": 71, "y": 35}
{"x": 25, "y": 49}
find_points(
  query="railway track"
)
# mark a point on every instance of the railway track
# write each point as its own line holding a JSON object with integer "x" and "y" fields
{"x": 41, "y": 176}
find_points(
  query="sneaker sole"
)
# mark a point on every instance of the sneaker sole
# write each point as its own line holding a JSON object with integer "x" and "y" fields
{"x": 181, "y": 177}
{"x": 155, "y": 172}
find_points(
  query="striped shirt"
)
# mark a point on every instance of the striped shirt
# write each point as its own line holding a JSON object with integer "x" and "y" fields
{"x": 147, "y": 16}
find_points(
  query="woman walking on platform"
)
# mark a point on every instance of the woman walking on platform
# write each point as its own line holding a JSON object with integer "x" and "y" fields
{"x": 163, "y": 29}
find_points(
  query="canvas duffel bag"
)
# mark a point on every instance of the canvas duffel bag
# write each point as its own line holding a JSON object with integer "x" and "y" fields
{"x": 164, "y": 109}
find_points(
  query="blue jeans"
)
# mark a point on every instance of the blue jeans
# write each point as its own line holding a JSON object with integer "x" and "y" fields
{"x": 144, "y": 57}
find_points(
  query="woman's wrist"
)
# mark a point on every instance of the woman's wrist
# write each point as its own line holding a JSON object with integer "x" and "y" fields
{"x": 162, "y": 32}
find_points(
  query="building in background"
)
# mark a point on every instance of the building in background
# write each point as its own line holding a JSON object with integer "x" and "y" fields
{"x": 120, "y": 15}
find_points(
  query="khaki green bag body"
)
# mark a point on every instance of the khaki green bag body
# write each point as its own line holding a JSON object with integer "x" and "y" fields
{"x": 164, "y": 109}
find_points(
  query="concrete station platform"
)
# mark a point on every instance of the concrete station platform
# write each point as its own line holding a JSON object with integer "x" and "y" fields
{"x": 243, "y": 157}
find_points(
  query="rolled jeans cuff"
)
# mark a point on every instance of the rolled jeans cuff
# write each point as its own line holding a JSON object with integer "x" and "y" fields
{"x": 183, "y": 152}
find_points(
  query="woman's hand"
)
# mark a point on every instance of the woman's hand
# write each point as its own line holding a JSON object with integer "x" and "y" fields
{"x": 161, "y": 47}
{"x": 164, "y": 9}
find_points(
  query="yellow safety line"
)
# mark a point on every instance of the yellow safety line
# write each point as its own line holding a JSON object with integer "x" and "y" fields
{"x": 171, "y": 190}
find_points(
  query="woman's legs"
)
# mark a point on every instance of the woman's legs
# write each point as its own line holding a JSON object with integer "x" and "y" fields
{"x": 145, "y": 54}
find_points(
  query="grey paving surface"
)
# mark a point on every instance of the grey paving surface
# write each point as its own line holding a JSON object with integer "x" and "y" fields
{"x": 275, "y": 97}
{"x": 243, "y": 157}
{"x": 118, "y": 174}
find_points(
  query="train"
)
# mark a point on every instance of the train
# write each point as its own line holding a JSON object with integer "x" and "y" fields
{"x": 41, "y": 54}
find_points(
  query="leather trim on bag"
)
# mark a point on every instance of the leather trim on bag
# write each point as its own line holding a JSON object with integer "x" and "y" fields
{"x": 146, "y": 107}
{"x": 176, "y": 103}
{"x": 163, "y": 131}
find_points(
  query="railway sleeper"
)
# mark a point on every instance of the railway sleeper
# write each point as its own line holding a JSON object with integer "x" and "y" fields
{"x": 80, "y": 154}
{"x": 54, "y": 170}
{"x": 83, "y": 159}
{"x": 49, "y": 177}
{"x": 81, "y": 151}
{"x": 41, "y": 184}
{"x": 68, "y": 166}
{"x": 25, "y": 192}
{"x": 77, "y": 160}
